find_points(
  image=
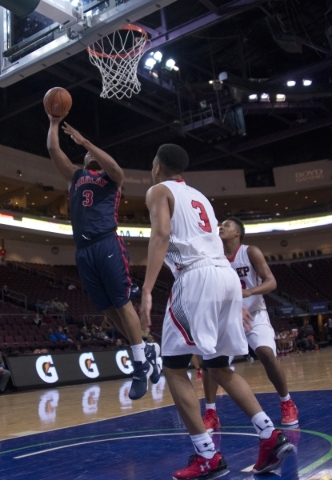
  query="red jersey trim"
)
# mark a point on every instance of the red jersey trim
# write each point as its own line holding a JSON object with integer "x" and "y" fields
{"x": 234, "y": 255}
{"x": 179, "y": 326}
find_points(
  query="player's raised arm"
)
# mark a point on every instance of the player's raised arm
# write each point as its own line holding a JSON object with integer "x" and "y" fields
{"x": 59, "y": 158}
{"x": 107, "y": 163}
{"x": 262, "y": 269}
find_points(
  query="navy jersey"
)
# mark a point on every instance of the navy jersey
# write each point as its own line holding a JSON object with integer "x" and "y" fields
{"x": 94, "y": 204}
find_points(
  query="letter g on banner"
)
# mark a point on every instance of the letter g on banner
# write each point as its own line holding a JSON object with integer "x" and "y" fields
{"x": 123, "y": 362}
{"x": 46, "y": 369}
{"x": 88, "y": 365}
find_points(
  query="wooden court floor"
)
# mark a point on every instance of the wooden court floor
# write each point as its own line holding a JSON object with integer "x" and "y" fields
{"x": 94, "y": 431}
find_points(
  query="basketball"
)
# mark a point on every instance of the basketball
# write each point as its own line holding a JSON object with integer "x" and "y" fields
{"x": 57, "y": 102}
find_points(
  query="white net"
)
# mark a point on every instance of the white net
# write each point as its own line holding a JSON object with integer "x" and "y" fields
{"x": 117, "y": 56}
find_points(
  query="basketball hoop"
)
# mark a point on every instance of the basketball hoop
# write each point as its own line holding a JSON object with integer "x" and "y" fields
{"x": 117, "y": 56}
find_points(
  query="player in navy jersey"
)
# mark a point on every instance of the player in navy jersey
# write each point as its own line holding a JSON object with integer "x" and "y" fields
{"x": 101, "y": 256}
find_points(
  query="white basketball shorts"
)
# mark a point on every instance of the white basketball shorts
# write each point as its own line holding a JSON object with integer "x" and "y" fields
{"x": 262, "y": 334}
{"x": 204, "y": 313}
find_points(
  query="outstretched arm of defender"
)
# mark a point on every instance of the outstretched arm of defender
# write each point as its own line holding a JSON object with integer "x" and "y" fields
{"x": 59, "y": 158}
{"x": 263, "y": 271}
{"x": 107, "y": 163}
{"x": 157, "y": 201}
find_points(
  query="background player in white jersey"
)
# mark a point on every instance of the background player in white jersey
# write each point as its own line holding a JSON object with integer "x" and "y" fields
{"x": 203, "y": 315}
{"x": 256, "y": 279}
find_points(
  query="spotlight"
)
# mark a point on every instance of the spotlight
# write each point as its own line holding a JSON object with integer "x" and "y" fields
{"x": 306, "y": 82}
{"x": 149, "y": 63}
{"x": 265, "y": 97}
{"x": 291, "y": 83}
{"x": 158, "y": 56}
{"x": 280, "y": 97}
{"x": 19, "y": 173}
{"x": 253, "y": 97}
{"x": 170, "y": 64}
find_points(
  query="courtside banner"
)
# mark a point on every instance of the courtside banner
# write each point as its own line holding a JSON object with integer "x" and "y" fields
{"x": 56, "y": 369}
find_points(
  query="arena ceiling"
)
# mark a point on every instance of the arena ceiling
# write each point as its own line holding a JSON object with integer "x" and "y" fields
{"x": 258, "y": 45}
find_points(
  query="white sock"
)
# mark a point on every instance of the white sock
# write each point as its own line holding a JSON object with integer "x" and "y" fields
{"x": 203, "y": 445}
{"x": 138, "y": 352}
{"x": 263, "y": 425}
{"x": 285, "y": 399}
{"x": 211, "y": 406}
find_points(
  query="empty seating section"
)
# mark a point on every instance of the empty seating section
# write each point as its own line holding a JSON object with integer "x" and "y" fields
{"x": 318, "y": 274}
{"x": 303, "y": 282}
{"x": 38, "y": 289}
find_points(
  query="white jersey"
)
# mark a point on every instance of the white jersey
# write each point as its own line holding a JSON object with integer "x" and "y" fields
{"x": 248, "y": 277}
{"x": 194, "y": 229}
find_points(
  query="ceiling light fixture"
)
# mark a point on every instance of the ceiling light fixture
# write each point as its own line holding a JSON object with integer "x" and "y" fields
{"x": 291, "y": 83}
{"x": 170, "y": 64}
{"x": 280, "y": 97}
{"x": 253, "y": 97}
{"x": 265, "y": 97}
{"x": 307, "y": 82}
{"x": 158, "y": 56}
{"x": 149, "y": 63}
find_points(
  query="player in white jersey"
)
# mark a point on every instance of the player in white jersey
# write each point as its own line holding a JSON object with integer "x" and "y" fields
{"x": 203, "y": 315}
{"x": 256, "y": 279}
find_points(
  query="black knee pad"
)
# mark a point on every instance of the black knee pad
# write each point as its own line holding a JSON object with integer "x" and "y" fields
{"x": 176, "y": 362}
{"x": 218, "y": 362}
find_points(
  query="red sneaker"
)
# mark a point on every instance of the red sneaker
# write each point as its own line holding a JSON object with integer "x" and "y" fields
{"x": 211, "y": 420}
{"x": 289, "y": 413}
{"x": 272, "y": 452}
{"x": 200, "y": 467}
{"x": 199, "y": 375}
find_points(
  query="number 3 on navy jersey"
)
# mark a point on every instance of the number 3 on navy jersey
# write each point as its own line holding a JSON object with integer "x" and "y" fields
{"x": 206, "y": 226}
{"x": 88, "y": 194}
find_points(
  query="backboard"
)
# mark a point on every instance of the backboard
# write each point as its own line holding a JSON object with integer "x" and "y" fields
{"x": 35, "y": 42}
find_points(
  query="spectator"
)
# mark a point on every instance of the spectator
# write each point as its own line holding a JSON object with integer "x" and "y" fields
{"x": 107, "y": 327}
{"x": 93, "y": 325}
{"x": 303, "y": 342}
{"x": 95, "y": 335}
{"x": 308, "y": 328}
{"x": 61, "y": 335}
{"x": 101, "y": 335}
{"x": 51, "y": 335}
{"x": 120, "y": 343}
{"x": 59, "y": 305}
{"x": 83, "y": 334}
{"x": 4, "y": 375}
{"x": 37, "y": 320}
{"x": 328, "y": 327}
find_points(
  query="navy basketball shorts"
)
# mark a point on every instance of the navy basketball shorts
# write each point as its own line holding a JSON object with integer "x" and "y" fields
{"x": 104, "y": 270}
